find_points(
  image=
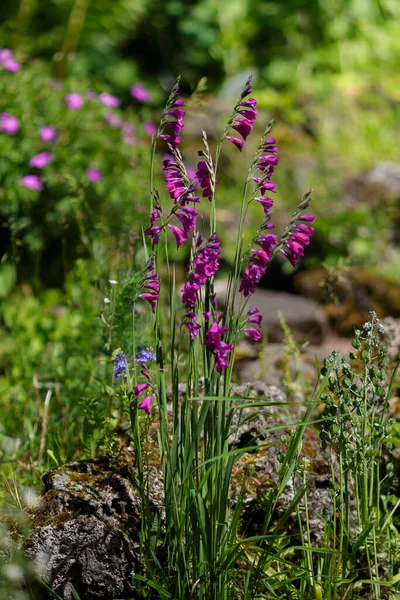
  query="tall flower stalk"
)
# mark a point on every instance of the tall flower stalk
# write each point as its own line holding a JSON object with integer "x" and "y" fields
{"x": 197, "y": 542}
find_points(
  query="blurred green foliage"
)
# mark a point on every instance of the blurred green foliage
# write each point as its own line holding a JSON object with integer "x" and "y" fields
{"x": 284, "y": 42}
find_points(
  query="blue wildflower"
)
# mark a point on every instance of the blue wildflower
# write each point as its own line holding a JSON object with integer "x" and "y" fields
{"x": 120, "y": 364}
{"x": 145, "y": 355}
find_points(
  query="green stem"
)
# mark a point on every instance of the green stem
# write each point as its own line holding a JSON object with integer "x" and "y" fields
{"x": 73, "y": 34}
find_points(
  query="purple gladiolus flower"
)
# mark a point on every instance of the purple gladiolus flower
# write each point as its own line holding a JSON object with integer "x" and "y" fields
{"x": 94, "y": 175}
{"x": 253, "y": 316}
{"x": 109, "y": 100}
{"x": 175, "y": 110}
{"x": 298, "y": 238}
{"x": 307, "y": 217}
{"x": 205, "y": 264}
{"x": 254, "y": 334}
{"x": 32, "y": 182}
{"x": 190, "y": 321}
{"x": 139, "y": 92}
{"x": 180, "y": 235}
{"x": 244, "y": 116}
{"x": 259, "y": 259}
{"x": 40, "y": 160}
{"x": 74, "y": 101}
{"x": 48, "y": 133}
{"x": 236, "y": 142}
{"x": 150, "y": 129}
{"x": 217, "y": 347}
{"x": 8, "y": 123}
{"x": 146, "y": 404}
{"x": 120, "y": 364}
{"x": 203, "y": 176}
{"x": 151, "y": 285}
{"x": 138, "y": 389}
{"x": 179, "y": 191}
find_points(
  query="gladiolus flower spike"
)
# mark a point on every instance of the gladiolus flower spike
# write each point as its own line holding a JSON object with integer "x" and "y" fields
{"x": 243, "y": 117}
{"x": 298, "y": 233}
{"x": 172, "y": 119}
{"x": 151, "y": 286}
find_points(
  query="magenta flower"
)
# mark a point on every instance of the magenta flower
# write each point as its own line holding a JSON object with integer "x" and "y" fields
{"x": 32, "y": 182}
{"x": 219, "y": 349}
{"x": 11, "y": 65}
{"x": 48, "y": 133}
{"x": 94, "y": 175}
{"x": 139, "y": 92}
{"x": 244, "y": 117}
{"x": 236, "y": 142}
{"x": 175, "y": 183}
{"x": 180, "y": 236}
{"x": 146, "y": 404}
{"x": 254, "y": 334}
{"x": 174, "y": 110}
{"x": 74, "y": 101}
{"x": 109, "y": 100}
{"x": 254, "y": 316}
{"x": 8, "y": 123}
{"x": 150, "y": 129}
{"x": 298, "y": 238}
{"x": 190, "y": 321}
{"x": 204, "y": 265}
{"x": 151, "y": 286}
{"x": 181, "y": 192}
{"x": 138, "y": 389}
{"x": 203, "y": 176}
{"x": 40, "y": 160}
{"x": 5, "y": 54}
{"x": 8, "y": 61}
{"x": 259, "y": 259}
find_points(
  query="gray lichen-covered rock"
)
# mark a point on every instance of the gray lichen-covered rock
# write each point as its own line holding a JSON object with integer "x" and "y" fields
{"x": 86, "y": 528}
{"x": 267, "y": 435}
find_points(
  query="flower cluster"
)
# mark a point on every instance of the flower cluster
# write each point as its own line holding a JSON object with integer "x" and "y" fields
{"x": 298, "y": 238}
{"x": 8, "y": 61}
{"x": 266, "y": 162}
{"x": 109, "y": 100}
{"x": 245, "y": 114}
{"x": 94, "y": 175}
{"x": 40, "y": 160}
{"x": 204, "y": 178}
{"x": 173, "y": 119}
{"x": 48, "y": 133}
{"x": 144, "y": 355}
{"x": 151, "y": 284}
{"x": 181, "y": 191}
{"x": 9, "y": 123}
{"x": 73, "y": 101}
{"x": 218, "y": 348}
{"x": 204, "y": 265}
{"x": 254, "y": 318}
{"x": 120, "y": 364}
{"x": 145, "y": 404}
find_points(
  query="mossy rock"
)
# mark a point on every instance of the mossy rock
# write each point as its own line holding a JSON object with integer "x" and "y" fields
{"x": 86, "y": 527}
